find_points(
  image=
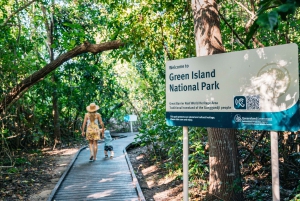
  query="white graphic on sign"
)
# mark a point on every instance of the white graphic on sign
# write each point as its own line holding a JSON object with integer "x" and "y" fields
{"x": 237, "y": 118}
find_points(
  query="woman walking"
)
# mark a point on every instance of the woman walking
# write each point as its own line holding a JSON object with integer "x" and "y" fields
{"x": 92, "y": 119}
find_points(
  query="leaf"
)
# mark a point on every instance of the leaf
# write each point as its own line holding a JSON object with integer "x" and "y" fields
{"x": 273, "y": 20}
{"x": 285, "y": 10}
{"x": 263, "y": 20}
{"x": 53, "y": 46}
{"x": 252, "y": 31}
{"x": 72, "y": 43}
{"x": 72, "y": 25}
{"x": 264, "y": 6}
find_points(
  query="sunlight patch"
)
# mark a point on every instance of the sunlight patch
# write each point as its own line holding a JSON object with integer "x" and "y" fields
{"x": 149, "y": 170}
{"x": 105, "y": 180}
{"x": 100, "y": 194}
{"x": 140, "y": 157}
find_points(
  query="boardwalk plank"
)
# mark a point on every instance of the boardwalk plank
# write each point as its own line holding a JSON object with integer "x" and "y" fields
{"x": 103, "y": 179}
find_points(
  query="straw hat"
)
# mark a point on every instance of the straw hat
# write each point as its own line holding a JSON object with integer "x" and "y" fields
{"x": 92, "y": 107}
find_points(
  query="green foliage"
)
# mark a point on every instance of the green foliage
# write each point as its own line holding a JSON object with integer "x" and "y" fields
{"x": 13, "y": 170}
{"x": 166, "y": 144}
{"x": 270, "y": 13}
{"x": 124, "y": 81}
{"x": 198, "y": 158}
{"x": 296, "y": 193}
{"x": 150, "y": 30}
{"x": 21, "y": 161}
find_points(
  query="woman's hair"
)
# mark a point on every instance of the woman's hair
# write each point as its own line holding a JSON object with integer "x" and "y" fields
{"x": 92, "y": 116}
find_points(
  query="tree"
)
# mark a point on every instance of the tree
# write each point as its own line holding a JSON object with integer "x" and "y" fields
{"x": 49, "y": 24}
{"x": 224, "y": 178}
{"x": 37, "y": 76}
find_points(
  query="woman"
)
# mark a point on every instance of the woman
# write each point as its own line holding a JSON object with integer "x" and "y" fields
{"x": 92, "y": 119}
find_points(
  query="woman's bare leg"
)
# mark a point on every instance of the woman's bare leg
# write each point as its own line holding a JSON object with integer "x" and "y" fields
{"x": 95, "y": 149}
{"x": 91, "y": 148}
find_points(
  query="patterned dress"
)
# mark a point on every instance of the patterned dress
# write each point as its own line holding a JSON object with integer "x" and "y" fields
{"x": 92, "y": 131}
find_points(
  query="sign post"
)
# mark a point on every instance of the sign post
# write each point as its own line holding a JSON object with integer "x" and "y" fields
{"x": 255, "y": 89}
{"x": 275, "y": 166}
{"x": 130, "y": 118}
{"x": 185, "y": 164}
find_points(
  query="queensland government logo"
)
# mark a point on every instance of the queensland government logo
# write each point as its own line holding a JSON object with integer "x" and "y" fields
{"x": 238, "y": 118}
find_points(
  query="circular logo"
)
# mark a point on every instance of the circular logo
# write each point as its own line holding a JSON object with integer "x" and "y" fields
{"x": 274, "y": 80}
{"x": 237, "y": 118}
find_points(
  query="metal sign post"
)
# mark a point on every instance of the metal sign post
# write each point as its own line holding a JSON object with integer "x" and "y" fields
{"x": 185, "y": 164}
{"x": 131, "y": 126}
{"x": 275, "y": 166}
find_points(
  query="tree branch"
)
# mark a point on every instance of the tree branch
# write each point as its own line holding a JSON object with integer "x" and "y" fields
{"x": 254, "y": 146}
{"x": 14, "y": 13}
{"x": 234, "y": 32}
{"x": 39, "y": 75}
{"x": 246, "y": 9}
{"x": 163, "y": 40}
{"x": 250, "y": 21}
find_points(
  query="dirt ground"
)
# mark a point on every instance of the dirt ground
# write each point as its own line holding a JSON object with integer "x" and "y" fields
{"x": 155, "y": 183}
{"x": 34, "y": 179}
{"x": 61, "y": 160}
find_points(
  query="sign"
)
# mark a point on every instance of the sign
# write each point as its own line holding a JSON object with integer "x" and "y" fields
{"x": 254, "y": 89}
{"x": 130, "y": 118}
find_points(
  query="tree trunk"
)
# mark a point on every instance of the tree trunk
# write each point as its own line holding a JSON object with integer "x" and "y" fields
{"x": 224, "y": 178}
{"x": 50, "y": 31}
{"x": 56, "y": 124}
{"x": 207, "y": 28}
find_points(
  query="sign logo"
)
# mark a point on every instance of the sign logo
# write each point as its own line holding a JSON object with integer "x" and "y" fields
{"x": 238, "y": 118}
{"x": 240, "y": 102}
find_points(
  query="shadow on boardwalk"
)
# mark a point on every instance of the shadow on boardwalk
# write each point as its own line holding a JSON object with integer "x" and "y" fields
{"x": 103, "y": 179}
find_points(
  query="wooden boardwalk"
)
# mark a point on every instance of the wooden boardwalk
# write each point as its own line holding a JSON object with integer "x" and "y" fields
{"x": 103, "y": 179}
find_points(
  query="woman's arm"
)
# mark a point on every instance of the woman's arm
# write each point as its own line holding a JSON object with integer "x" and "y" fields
{"x": 83, "y": 125}
{"x": 101, "y": 123}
